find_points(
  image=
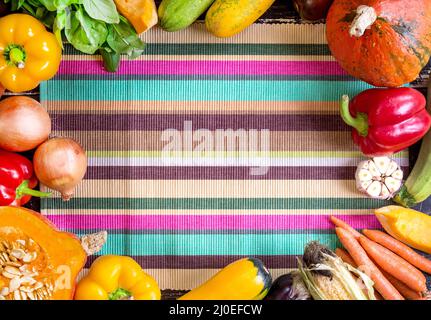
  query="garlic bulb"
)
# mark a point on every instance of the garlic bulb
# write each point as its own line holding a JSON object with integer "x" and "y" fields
{"x": 379, "y": 177}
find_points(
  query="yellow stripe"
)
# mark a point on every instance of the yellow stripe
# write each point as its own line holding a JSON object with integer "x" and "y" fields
{"x": 251, "y": 212}
{"x": 256, "y": 33}
{"x": 188, "y": 106}
{"x": 208, "y": 58}
{"x": 217, "y": 189}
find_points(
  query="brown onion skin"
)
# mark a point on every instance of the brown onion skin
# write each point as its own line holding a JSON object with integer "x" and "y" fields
{"x": 60, "y": 164}
{"x": 24, "y": 124}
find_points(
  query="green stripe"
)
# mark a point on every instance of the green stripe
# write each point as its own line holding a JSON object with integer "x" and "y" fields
{"x": 213, "y": 244}
{"x": 164, "y": 90}
{"x": 212, "y": 154}
{"x": 213, "y": 203}
{"x": 227, "y": 49}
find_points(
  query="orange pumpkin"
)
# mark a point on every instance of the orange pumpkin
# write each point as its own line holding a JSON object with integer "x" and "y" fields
{"x": 383, "y": 42}
{"x": 37, "y": 262}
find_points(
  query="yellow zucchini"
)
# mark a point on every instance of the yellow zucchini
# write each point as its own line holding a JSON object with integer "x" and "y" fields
{"x": 244, "y": 279}
{"x": 226, "y": 18}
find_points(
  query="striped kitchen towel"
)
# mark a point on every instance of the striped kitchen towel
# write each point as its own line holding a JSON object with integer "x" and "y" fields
{"x": 205, "y": 150}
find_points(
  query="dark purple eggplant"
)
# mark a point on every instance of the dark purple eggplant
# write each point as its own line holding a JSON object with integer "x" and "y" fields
{"x": 288, "y": 287}
{"x": 312, "y": 10}
{"x": 4, "y": 8}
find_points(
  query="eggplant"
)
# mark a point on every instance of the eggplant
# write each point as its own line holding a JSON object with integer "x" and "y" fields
{"x": 4, "y": 8}
{"x": 312, "y": 10}
{"x": 288, "y": 287}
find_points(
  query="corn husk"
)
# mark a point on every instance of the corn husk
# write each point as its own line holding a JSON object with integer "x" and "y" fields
{"x": 344, "y": 283}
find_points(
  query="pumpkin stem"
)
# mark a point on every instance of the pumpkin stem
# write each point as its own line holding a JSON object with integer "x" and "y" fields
{"x": 360, "y": 123}
{"x": 364, "y": 19}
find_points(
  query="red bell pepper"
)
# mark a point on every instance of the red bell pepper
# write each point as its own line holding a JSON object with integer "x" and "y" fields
{"x": 386, "y": 121}
{"x": 17, "y": 180}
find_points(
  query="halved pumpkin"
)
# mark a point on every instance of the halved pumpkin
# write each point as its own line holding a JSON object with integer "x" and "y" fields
{"x": 37, "y": 261}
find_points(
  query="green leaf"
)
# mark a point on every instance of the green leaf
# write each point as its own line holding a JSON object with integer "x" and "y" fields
{"x": 62, "y": 20}
{"x": 49, "y": 4}
{"x": 62, "y": 4}
{"x": 122, "y": 38}
{"x": 16, "y": 4}
{"x": 103, "y": 10}
{"x": 111, "y": 59}
{"x": 86, "y": 34}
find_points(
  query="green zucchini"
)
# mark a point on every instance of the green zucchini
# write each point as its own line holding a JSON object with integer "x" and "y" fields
{"x": 417, "y": 187}
{"x": 175, "y": 15}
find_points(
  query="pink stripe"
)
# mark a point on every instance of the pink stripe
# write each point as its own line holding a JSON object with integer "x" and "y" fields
{"x": 206, "y": 68}
{"x": 209, "y": 222}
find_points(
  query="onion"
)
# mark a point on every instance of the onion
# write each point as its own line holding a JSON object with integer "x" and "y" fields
{"x": 60, "y": 164}
{"x": 24, "y": 124}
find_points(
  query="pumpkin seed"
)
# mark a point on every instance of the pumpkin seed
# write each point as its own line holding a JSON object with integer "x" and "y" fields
{"x": 21, "y": 242}
{"x": 4, "y": 291}
{"x": 16, "y": 295}
{"x": 14, "y": 284}
{"x": 13, "y": 264}
{"x": 38, "y": 285}
{"x": 5, "y": 256}
{"x": 17, "y": 253}
{"x": 27, "y": 258}
{"x": 23, "y": 295}
{"x": 9, "y": 275}
{"x": 12, "y": 270}
{"x": 31, "y": 296}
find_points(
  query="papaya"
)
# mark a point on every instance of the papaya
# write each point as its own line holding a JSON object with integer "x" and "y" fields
{"x": 175, "y": 15}
{"x": 244, "y": 279}
{"x": 226, "y": 18}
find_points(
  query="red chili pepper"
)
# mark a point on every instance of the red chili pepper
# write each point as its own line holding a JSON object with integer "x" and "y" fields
{"x": 17, "y": 180}
{"x": 386, "y": 121}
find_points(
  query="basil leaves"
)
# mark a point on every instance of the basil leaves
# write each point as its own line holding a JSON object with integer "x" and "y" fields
{"x": 90, "y": 26}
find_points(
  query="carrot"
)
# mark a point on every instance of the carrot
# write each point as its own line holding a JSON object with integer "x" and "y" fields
{"x": 394, "y": 265}
{"x": 341, "y": 224}
{"x": 402, "y": 288}
{"x": 378, "y": 295}
{"x": 400, "y": 249}
{"x": 381, "y": 284}
{"x": 345, "y": 256}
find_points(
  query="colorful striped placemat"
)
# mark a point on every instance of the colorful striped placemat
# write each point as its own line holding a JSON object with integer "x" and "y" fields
{"x": 205, "y": 150}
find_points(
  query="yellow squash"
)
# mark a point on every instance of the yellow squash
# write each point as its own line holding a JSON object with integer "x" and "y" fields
{"x": 226, "y": 18}
{"x": 407, "y": 225}
{"x": 142, "y": 14}
{"x": 244, "y": 279}
{"x": 117, "y": 278}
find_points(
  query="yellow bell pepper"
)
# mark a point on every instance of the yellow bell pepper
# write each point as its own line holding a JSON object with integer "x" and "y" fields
{"x": 117, "y": 278}
{"x": 29, "y": 53}
{"x": 407, "y": 225}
